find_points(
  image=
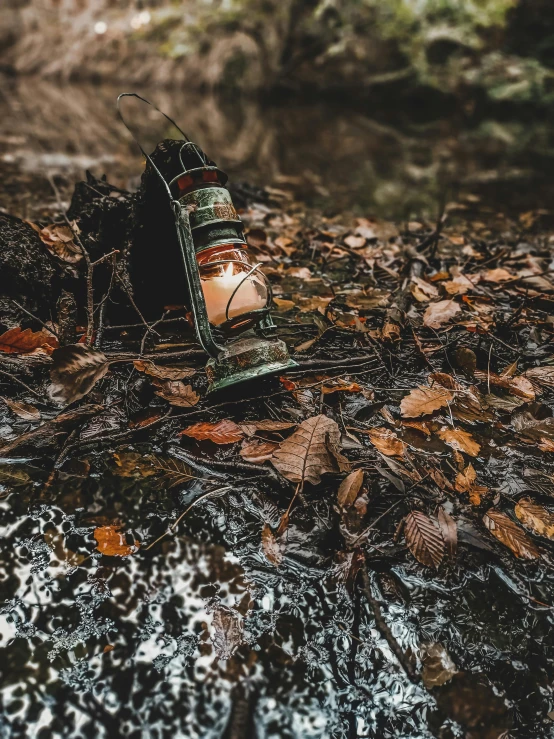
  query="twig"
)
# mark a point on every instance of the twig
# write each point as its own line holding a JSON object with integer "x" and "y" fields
{"x": 36, "y": 318}
{"x": 385, "y": 631}
{"x": 16, "y": 379}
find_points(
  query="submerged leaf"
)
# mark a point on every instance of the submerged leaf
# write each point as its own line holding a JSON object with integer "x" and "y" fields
{"x": 112, "y": 543}
{"x": 449, "y": 532}
{"x": 227, "y": 631}
{"x": 24, "y": 410}
{"x": 311, "y": 451}
{"x": 509, "y": 534}
{"x": 424, "y": 539}
{"x": 271, "y": 547}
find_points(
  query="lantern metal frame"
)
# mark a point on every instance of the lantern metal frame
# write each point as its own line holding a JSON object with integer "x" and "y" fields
{"x": 243, "y": 347}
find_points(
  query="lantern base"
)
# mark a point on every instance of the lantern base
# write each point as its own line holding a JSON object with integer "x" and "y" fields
{"x": 246, "y": 359}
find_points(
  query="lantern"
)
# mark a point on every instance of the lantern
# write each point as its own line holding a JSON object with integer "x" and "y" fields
{"x": 229, "y": 295}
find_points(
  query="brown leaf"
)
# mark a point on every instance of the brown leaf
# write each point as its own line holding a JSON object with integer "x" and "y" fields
{"x": 271, "y": 547}
{"x": 258, "y": 452}
{"x": 112, "y": 543}
{"x": 509, "y": 534}
{"x": 496, "y": 275}
{"x": 424, "y": 400}
{"x": 386, "y": 441}
{"x": 133, "y": 464}
{"x": 163, "y": 373}
{"x": 24, "y": 410}
{"x": 466, "y": 480}
{"x": 438, "y": 667}
{"x": 250, "y": 427}
{"x": 222, "y": 432}
{"x": 418, "y": 425}
{"x": 176, "y": 393}
{"x": 18, "y": 341}
{"x": 350, "y": 488}
{"x": 535, "y": 517}
{"x": 76, "y": 370}
{"x": 461, "y": 440}
{"x": 310, "y": 451}
{"x": 440, "y": 313}
{"x": 449, "y": 532}
{"x": 339, "y": 385}
{"x": 171, "y": 471}
{"x": 424, "y": 539}
{"x": 227, "y": 631}
{"x": 543, "y": 376}
{"x": 519, "y": 386}
{"x": 59, "y": 241}
{"x": 466, "y": 359}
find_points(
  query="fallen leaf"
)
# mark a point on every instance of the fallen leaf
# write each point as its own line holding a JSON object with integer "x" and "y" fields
{"x": 461, "y": 440}
{"x": 133, "y": 464}
{"x": 496, "y": 275}
{"x": 227, "y": 631}
{"x": 341, "y": 385}
{"x": 163, "y": 373}
{"x": 271, "y": 547}
{"x": 24, "y": 410}
{"x": 250, "y": 427}
{"x": 283, "y": 306}
{"x": 221, "y": 432}
{"x": 543, "y": 376}
{"x": 112, "y": 543}
{"x": 311, "y": 451}
{"x": 75, "y": 371}
{"x": 449, "y": 532}
{"x": 422, "y": 290}
{"x": 438, "y": 667}
{"x": 258, "y": 452}
{"x": 177, "y": 393}
{"x": 171, "y": 471}
{"x": 419, "y": 426}
{"x": 519, "y": 386}
{"x": 424, "y": 539}
{"x": 350, "y": 488}
{"x": 12, "y": 476}
{"x": 19, "y": 341}
{"x": 509, "y": 534}
{"x": 440, "y": 313}
{"x": 535, "y": 517}
{"x": 546, "y": 445}
{"x": 60, "y": 242}
{"x": 386, "y": 441}
{"x": 424, "y": 400}
{"x": 465, "y": 480}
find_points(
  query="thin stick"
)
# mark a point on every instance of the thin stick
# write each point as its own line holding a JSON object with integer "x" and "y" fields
{"x": 178, "y": 521}
{"x": 16, "y": 379}
{"x": 36, "y": 318}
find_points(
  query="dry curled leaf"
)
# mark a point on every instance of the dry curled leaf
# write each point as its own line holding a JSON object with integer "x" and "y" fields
{"x": 258, "y": 452}
{"x": 535, "y": 517}
{"x": 465, "y": 480}
{"x": 461, "y": 440}
{"x": 466, "y": 359}
{"x": 24, "y": 410}
{"x": 19, "y": 341}
{"x": 424, "y": 539}
{"x": 438, "y": 667}
{"x": 387, "y": 442}
{"x": 222, "y": 432}
{"x": 271, "y": 546}
{"x": 449, "y": 532}
{"x": 520, "y": 386}
{"x": 510, "y": 534}
{"x": 60, "y": 242}
{"x": 176, "y": 393}
{"x": 437, "y": 314}
{"x": 312, "y": 450}
{"x": 424, "y": 400}
{"x": 543, "y": 376}
{"x": 111, "y": 542}
{"x": 163, "y": 373}
{"x": 350, "y": 488}
{"x": 76, "y": 369}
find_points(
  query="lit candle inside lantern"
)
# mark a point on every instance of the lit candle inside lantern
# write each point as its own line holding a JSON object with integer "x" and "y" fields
{"x": 218, "y": 289}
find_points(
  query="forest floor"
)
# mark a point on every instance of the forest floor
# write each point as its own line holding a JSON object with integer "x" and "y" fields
{"x": 367, "y": 539}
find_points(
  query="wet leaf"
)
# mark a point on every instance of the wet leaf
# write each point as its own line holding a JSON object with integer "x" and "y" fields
{"x": 172, "y": 471}
{"x": 519, "y": 386}
{"x": 56, "y": 542}
{"x": 250, "y": 427}
{"x": 349, "y": 488}
{"x": 271, "y": 547}
{"x": 466, "y": 359}
{"x": 76, "y": 370}
{"x": 387, "y": 442}
{"x": 461, "y": 440}
{"x": 312, "y": 450}
{"x": 424, "y": 400}
{"x": 437, "y": 314}
{"x": 543, "y": 376}
{"x": 19, "y": 341}
{"x": 465, "y": 480}
{"x": 438, "y": 667}
{"x": 163, "y": 373}
{"x": 227, "y": 631}
{"x": 222, "y": 432}
{"x": 24, "y": 410}
{"x": 424, "y": 539}
{"x": 11, "y": 475}
{"x": 112, "y": 543}
{"x": 535, "y": 517}
{"x": 449, "y": 532}
{"x": 258, "y": 452}
{"x": 133, "y": 464}
{"x": 510, "y": 534}
{"x": 335, "y": 386}
{"x": 177, "y": 393}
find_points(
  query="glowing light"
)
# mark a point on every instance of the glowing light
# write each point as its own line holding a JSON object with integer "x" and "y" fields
{"x": 100, "y": 27}
{"x": 140, "y": 19}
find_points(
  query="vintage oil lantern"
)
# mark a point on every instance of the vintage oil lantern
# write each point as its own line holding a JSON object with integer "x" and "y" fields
{"x": 230, "y": 297}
